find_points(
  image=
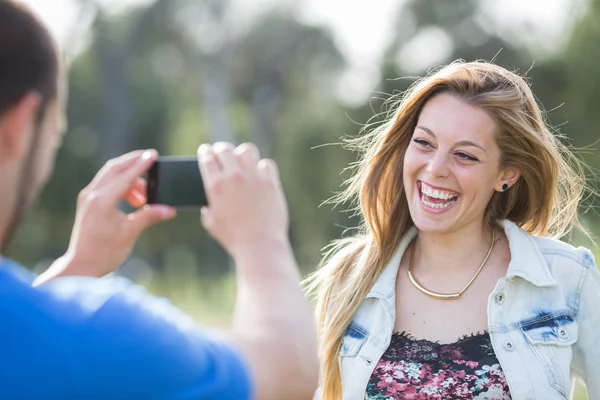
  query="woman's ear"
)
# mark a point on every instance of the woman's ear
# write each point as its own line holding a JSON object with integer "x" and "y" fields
{"x": 508, "y": 178}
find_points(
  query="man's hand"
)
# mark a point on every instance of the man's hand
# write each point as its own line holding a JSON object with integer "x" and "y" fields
{"x": 103, "y": 236}
{"x": 273, "y": 323}
{"x": 247, "y": 208}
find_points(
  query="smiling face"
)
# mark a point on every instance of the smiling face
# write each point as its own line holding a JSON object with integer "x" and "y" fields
{"x": 452, "y": 165}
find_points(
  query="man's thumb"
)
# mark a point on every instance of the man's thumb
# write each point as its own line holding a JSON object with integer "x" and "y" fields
{"x": 147, "y": 216}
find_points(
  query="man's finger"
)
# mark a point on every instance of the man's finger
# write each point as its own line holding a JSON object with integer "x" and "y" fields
{"x": 247, "y": 155}
{"x": 117, "y": 165}
{"x": 226, "y": 158}
{"x": 140, "y": 185}
{"x": 122, "y": 183}
{"x": 268, "y": 168}
{"x": 206, "y": 218}
{"x": 135, "y": 199}
{"x": 147, "y": 216}
{"x": 209, "y": 167}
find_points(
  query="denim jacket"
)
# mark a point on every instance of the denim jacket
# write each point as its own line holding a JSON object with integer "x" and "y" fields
{"x": 543, "y": 320}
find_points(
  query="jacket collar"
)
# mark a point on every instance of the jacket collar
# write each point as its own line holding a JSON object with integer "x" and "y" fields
{"x": 385, "y": 286}
{"x": 526, "y": 262}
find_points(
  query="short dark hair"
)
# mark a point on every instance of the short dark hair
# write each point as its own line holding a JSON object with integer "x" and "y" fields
{"x": 28, "y": 57}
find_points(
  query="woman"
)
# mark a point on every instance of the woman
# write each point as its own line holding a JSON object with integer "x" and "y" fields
{"x": 457, "y": 287}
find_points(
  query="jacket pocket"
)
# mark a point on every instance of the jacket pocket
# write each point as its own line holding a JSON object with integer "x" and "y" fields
{"x": 550, "y": 337}
{"x": 354, "y": 339}
{"x": 353, "y": 342}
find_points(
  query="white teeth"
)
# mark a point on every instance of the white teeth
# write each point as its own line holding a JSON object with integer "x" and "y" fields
{"x": 436, "y": 205}
{"x": 436, "y": 193}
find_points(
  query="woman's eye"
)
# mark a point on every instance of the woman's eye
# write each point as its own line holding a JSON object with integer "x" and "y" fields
{"x": 466, "y": 157}
{"x": 422, "y": 142}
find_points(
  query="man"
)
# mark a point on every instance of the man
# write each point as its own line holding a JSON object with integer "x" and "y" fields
{"x": 70, "y": 335}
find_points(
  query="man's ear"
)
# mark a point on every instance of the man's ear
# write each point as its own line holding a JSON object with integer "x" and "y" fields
{"x": 17, "y": 126}
{"x": 508, "y": 178}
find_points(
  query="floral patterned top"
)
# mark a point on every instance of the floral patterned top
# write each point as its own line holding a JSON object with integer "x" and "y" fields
{"x": 423, "y": 370}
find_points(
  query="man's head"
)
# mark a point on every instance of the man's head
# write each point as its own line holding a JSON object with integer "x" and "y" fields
{"x": 32, "y": 97}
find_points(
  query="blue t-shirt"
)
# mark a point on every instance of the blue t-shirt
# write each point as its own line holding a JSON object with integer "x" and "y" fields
{"x": 86, "y": 338}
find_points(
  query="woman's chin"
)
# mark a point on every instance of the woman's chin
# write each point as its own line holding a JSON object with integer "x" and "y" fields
{"x": 432, "y": 222}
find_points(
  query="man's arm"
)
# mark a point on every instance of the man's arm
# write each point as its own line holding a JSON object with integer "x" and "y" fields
{"x": 274, "y": 323}
{"x": 273, "y": 329}
{"x": 274, "y": 326}
{"x": 247, "y": 215}
{"x": 116, "y": 341}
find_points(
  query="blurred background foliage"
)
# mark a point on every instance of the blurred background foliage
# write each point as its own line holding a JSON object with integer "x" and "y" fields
{"x": 172, "y": 74}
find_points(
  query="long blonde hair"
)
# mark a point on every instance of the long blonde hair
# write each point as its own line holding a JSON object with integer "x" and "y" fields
{"x": 544, "y": 201}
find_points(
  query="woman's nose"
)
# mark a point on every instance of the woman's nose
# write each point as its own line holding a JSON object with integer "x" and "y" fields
{"x": 438, "y": 166}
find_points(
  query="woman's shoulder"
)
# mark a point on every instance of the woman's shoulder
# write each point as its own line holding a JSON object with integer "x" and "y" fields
{"x": 571, "y": 266}
{"x": 556, "y": 252}
{"x": 559, "y": 250}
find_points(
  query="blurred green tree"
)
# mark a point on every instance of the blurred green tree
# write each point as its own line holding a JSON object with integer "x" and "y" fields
{"x": 176, "y": 73}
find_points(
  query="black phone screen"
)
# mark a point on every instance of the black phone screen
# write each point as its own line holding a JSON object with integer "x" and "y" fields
{"x": 176, "y": 181}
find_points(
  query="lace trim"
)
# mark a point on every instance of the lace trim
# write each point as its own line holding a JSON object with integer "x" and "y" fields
{"x": 407, "y": 336}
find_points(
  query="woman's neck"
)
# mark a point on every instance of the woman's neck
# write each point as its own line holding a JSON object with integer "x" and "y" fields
{"x": 457, "y": 251}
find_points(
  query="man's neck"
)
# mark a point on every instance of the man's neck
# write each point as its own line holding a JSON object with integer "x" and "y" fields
{"x": 6, "y": 207}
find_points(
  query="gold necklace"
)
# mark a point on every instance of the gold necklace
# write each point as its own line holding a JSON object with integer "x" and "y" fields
{"x": 448, "y": 296}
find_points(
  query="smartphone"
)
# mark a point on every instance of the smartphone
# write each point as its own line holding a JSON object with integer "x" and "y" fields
{"x": 176, "y": 181}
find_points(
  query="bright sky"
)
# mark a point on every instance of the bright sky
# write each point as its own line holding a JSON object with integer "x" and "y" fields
{"x": 361, "y": 28}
